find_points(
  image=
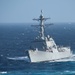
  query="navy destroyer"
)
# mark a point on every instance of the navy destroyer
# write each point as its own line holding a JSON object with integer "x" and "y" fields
{"x": 47, "y": 50}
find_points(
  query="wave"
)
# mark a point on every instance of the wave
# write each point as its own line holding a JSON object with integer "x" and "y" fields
{"x": 67, "y": 72}
{"x": 3, "y": 72}
{"x": 25, "y": 58}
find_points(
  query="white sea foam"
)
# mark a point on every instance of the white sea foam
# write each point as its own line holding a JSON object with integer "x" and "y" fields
{"x": 66, "y": 72}
{"x": 18, "y": 58}
{"x": 4, "y": 72}
{"x": 69, "y": 72}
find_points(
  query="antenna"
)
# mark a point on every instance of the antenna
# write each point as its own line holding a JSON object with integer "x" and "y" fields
{"x": 41, "y": 12}
{"x": 41, "y": 25}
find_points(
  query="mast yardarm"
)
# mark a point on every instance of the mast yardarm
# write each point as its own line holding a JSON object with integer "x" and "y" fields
{"x": 41, "y": 19}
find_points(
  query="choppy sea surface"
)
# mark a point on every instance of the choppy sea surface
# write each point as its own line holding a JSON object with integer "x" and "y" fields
{"x": 15, "y": 39}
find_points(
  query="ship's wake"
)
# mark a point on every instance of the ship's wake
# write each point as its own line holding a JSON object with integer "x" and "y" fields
{"x": 25, "y": 58}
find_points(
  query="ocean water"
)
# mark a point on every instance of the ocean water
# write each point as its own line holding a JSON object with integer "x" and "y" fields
{"x": 15, "y": 39}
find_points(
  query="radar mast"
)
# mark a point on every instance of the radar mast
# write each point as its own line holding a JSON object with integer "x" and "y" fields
{"x": 42, "y": 20}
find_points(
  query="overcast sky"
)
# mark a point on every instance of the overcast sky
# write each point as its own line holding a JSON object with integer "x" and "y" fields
{"x": 23, "y": 11}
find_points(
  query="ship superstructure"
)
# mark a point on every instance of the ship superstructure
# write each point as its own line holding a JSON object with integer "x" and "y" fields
{"x": 49, "y": 51}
